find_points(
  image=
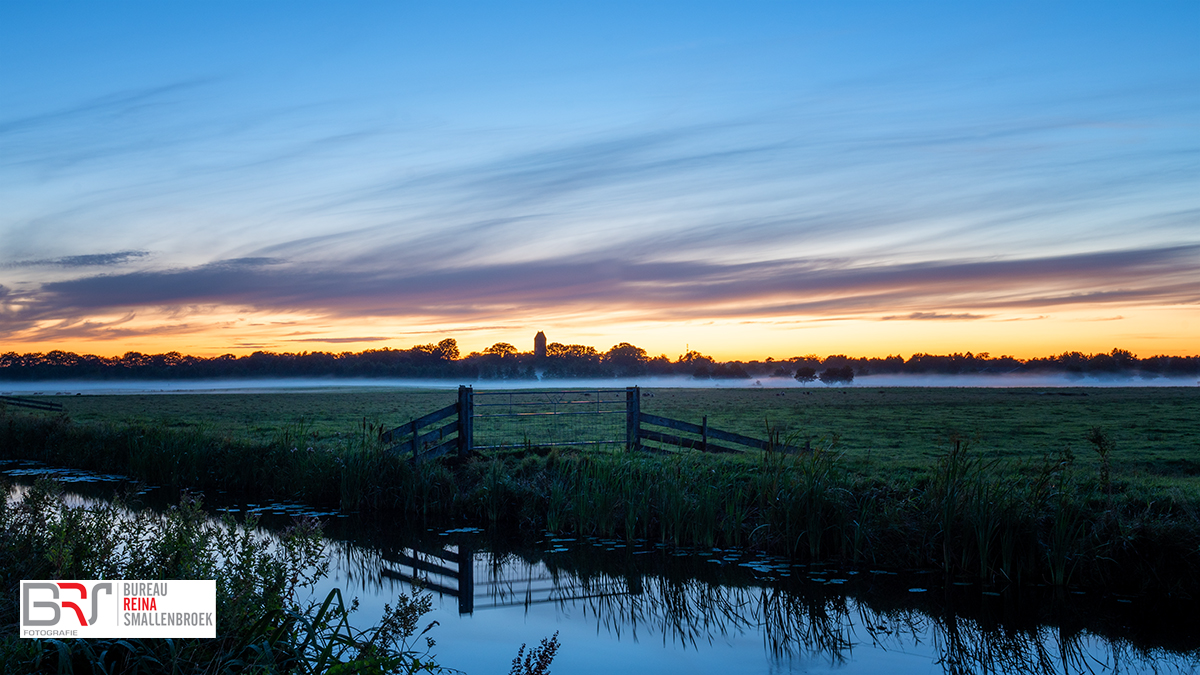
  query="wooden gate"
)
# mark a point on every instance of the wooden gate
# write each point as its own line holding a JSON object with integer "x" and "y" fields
{"x": 492, "y": 420}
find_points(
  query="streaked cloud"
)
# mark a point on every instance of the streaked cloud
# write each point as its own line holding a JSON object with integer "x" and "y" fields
{"x": 934, "y": 316}
{"x": 343, "y": 340}
{"x": 91, "y": 260}
{"x": 662, "y": 290}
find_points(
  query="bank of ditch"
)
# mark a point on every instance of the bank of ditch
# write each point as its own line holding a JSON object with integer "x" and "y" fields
{"x": 261, "y": 626}
{"x": 1044, "y": 521}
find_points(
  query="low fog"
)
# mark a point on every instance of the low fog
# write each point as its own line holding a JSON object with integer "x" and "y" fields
{"x": 238, "y": 386}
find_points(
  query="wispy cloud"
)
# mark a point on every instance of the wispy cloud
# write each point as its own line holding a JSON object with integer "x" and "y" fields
{"x": 345, "y": 340}
{"x": 934, "y": 316}
{"x": 92, "y": 260}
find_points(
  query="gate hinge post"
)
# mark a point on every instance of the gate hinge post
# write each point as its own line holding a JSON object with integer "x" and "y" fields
{"x": 466, "y": 414}
{"x": 633, "y": 414}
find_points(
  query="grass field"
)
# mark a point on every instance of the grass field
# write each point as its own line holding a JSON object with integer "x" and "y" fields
{"x": 1155, "y": 431}
{"x": 1094, "y": 486}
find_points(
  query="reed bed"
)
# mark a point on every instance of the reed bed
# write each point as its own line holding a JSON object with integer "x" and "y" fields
{"x": 262, "y": 626}
{"x": 1051, "y": 521}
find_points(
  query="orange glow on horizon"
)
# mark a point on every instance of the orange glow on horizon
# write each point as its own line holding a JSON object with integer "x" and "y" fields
{"x": 1145, "y": 331}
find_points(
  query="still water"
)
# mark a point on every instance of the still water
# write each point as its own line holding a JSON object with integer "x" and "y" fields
{"x": 638, "y": 607}
{"x": 641, "y": 607}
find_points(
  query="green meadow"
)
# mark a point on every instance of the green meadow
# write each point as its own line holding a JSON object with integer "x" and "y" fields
{"x": 1154, "y": 431}
{"x": 1093, "y": 487}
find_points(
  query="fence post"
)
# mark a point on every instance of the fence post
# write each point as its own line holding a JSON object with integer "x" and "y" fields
{"x": 412, "y": 429}
{"x": 466, "y": 414}
{"x": 703, "y": 433}
{"x": 633, "y": 418}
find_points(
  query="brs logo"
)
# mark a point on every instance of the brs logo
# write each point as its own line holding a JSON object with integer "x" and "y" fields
{"x": 48, "y": 610}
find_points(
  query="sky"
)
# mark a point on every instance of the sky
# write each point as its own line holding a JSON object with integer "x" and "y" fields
{"x": 742, "y": 179}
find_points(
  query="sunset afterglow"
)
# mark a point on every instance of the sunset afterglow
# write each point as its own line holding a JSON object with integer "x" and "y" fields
{"x": 746, "y": 181}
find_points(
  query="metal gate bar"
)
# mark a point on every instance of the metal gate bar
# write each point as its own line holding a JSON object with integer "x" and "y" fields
{"x": 553, "y": 418}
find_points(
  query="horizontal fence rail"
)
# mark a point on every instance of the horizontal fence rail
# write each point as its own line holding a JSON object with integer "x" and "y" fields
{"x": 34, "y": 403}
{"x": 705, "y": 433}
{"x": 429, "y": 444}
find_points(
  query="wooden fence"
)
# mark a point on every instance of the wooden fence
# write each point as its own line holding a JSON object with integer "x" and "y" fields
{"x": 34, "y": 403}
{"x": 422, "y": 439}
{"x": 455, "y": 435}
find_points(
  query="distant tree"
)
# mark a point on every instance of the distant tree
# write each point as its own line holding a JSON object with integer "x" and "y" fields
{"x": 842, "y": 375}
{"x": 60, "y": 358}
{"x": 1072, "y": 362}
{"x": 660, "y": 365}
{"x": 1102, "y": 363}
{"x": 1124, "y": 358}
{"x": 503, "y": 361}
{"x": 447, "y": 349}
{"x": 501, "y": 349}
{"x": 582, "y": 352}
{"x": 806, "y": 374}
{"x": 131, "y": 359}
{"x": 837, "y": 361}
{"x": 734, "y": 370}
{"x": 567, "y": 361}
{"x": 625, "y": 359}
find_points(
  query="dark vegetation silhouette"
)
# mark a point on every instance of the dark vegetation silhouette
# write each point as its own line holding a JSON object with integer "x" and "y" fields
{"x": 503, "y": 361}
{"x": 835, "y": 375}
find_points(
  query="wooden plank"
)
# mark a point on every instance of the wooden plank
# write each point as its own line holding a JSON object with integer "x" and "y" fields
{"x": 438, "y": 451}
{"x": 408, "y": 428}
{"x": 737, "y": 438}
{"x": 425, "y": 584}
{"x": 705, "y": 431}
{"x": 438, "y": 434}
{"x": 423, "y": 565}
{"x": 407, "y": 446}
{"x": 31, "y": 403}
{"x": 678, "y": 425}
{"x": 683, "y": 442}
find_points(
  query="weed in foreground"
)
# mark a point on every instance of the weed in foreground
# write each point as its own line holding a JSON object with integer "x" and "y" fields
{"x": 262, "y": 624}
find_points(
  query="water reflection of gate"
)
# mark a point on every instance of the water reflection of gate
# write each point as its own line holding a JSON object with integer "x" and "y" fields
{"x": 437, "y": 572}
{"x": 688, "y": 612}
{"x": 810, "y": 620}
{"x": 452, "y": 572}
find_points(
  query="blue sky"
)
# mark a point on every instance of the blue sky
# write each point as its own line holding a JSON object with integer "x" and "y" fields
{"x": 748, "y": 179}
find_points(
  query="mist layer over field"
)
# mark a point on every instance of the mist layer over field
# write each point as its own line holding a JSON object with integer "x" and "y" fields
{"x": 228, "y": 386}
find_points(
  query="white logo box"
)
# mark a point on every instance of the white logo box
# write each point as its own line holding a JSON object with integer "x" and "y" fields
{"x": 118, "y": 608}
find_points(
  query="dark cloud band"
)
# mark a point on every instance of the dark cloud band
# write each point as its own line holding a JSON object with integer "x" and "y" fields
{"x": 934, "y": 290}
{"x": 93, "y": 260}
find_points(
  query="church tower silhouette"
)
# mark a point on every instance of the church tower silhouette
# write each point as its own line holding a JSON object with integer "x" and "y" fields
{"x": 539, "y": 345}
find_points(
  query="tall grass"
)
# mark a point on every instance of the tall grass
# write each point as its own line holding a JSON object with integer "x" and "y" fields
{"x": 971, "y": 515}
{"x": 262, "y": 625}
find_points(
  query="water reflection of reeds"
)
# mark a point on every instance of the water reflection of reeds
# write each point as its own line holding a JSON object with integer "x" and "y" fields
{"x": 794, "y": 619}
{"x": 798, "y": 621}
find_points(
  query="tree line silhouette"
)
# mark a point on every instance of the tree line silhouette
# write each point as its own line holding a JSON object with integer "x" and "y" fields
{"x": 504, "y": 361}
